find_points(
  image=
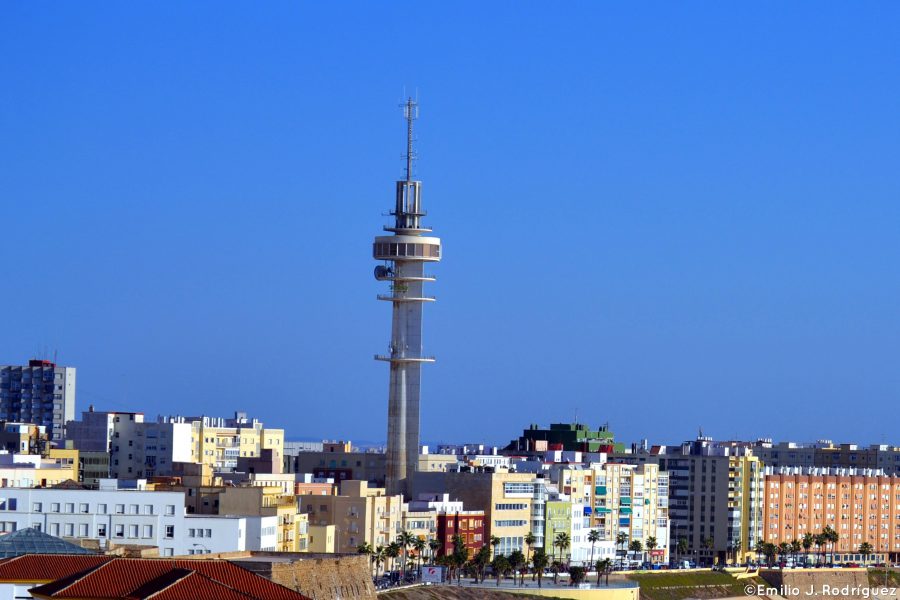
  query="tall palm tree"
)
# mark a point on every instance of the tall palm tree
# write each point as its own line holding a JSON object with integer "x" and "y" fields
{"x": 819, "y": 541}
{"x": 419, "y": 546}
{"x": 495, "y": 541}
{"x": 405, "y": 539}
{"x": 540, "y": 560}
{"x": 866, "y": 550}
{"x": 807, "y": 542}
{"x": 366, "y": 548}
{"x": 501, "y": 567}
{"x": 795, "y": 549}
{"x": 604, "y": 566}
{"x": 636, "y": 547}
{"x": 651, "y": 546}
{"x": 593, "y": 537}
{"x": 433, "y": 546}
{"x": 562, "y": 541}
{"x": 378, "y": 558}
{"x": 621, "y": 540}
{"x": 681, "y": 547}
{"x": 832, "y": 537}
{"x": 516, "y": 562}
{"x": 529, "y": 540}
{"x": 392, "y": 551}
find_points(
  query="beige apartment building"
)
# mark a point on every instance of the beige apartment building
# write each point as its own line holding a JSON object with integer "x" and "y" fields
{"x": 360, "y": 514}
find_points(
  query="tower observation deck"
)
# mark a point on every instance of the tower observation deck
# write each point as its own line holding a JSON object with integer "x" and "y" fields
{"x": 405, "y": 254}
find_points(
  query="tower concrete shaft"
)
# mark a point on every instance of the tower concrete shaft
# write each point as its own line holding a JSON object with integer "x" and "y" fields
{"x": 405, "y": 254}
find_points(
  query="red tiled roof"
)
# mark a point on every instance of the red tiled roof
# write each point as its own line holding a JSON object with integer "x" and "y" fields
{"x": 47, "y": 567}
{"x": 181, "y": 584}
{"x": 120, "y": 577}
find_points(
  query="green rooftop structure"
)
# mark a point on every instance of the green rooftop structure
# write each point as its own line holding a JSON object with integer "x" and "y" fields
{"x": 574, "y": 437}
{"x": 34, "y": 541}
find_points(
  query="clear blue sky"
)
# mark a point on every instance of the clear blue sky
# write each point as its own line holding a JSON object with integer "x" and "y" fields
{"x": 661, "y": 215}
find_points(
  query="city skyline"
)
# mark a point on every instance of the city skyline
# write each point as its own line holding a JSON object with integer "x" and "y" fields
{"x": 706, "y": 235}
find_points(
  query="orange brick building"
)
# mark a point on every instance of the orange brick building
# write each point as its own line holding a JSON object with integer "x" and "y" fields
{"x": 862, "y": 505}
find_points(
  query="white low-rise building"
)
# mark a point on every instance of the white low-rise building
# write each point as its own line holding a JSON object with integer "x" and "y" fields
{"x": 139, "y": 517}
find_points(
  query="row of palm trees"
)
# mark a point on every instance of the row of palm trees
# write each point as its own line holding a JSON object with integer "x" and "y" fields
{"x": 406, "y": 542}
{"x": 828, "y": 538}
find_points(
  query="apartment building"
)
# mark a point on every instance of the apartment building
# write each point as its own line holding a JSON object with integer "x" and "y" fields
{"x": 360, "y": 514}
{"x": 450, "y": 520}
{"x": 827, "y": 455}
{"x": 34, "y": 470}
{"x": 632, "y": 500}
{"x": 41, "y": 393}
{"x": 339, "y": 461}
{"x": 513, "y": 503}
{"x": 715, "y": 496}
{"x": 861, "y": 505}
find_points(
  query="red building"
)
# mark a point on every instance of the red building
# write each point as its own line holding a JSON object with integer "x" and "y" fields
{"x": 468, "y": 524}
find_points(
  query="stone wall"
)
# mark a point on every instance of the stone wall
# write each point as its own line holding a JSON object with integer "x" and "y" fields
{"x": 321, "y": 577}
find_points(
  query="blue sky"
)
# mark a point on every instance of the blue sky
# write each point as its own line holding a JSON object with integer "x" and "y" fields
{"x": 660, "y": 215}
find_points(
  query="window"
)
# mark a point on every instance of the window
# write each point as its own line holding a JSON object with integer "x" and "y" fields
{"x": 83, "y": 507}
{"x": 209, "y": 533}
{"x": 70, "y": 507}
{"x": 101, "y": 531}
{"x": 120, "y": 509}
{"x": 36, "y": 507}
{"x": 101, "y": 509}
{"x": 54, "y": 507}
{"x": 191, "y": 532}
{"x": 148, "y": 531}
{"x": 133, "y": 509}
{"x": 69, "y": 529}
{"x": 148, "y": 509}
{"x": 170, "y": 509}
{"x": 168, "y": 552}
{"x": 132, "y": 531}
{"x": 120, "y": 531}
{"x": 170, "y": 532}
{"x": 83, "y": 530}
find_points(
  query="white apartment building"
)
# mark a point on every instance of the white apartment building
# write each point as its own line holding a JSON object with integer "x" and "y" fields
{"x": 139, "y": 517}
{"x": 41, "y": 393}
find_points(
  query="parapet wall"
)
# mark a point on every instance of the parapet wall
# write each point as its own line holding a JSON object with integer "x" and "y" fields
{"x": 838, "y": 584}
{"x": 321, "y": 577}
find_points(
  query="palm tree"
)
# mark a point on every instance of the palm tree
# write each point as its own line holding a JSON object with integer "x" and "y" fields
{"x": 540, "y": 560}
{"x": 562, "y": 541}
{"x": 405, "y": 539}
{"x": 807, "y": 542}
{"x": 681, "y": 547}
{"x": 651, "y": 545}
{"x": 556, "y": 566}
{"x": 392, "y": 551}
{"x": 593, "y": 537}
{"x": 433, "y": 546}
{"x": 795, "y": 549}
{"x": 708, "y": 544}
{"x": 366, "y": 549}
{"x": 501, "y": 567}
{"x": 419, "y": 546}
{"x": 604, "y": 565}
{"x": 378, "y": 556}
{"x": 866, "y": 550}
{"x": 517, "y": 560}
{"x": 636, "y": 547}
{"x": 621, "y": 540}
{"x": 819, "y": 540}
{"x": 831, "y": 536}
{"x": 495, "y": 541}
{"x": 459, "y": 557}
{"x": 783, "y": 549}
{"x": 481, "y": 560}
{"x": 760, "y": 549}
{"x": 529, "y": 540}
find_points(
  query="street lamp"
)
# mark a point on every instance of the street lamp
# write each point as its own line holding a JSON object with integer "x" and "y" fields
{"x": 208, "y": 551}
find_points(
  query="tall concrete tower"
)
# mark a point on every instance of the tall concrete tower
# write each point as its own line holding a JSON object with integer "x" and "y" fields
{"x": 405, "y": 254}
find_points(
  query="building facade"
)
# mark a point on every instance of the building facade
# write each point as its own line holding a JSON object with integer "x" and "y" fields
{"x": 41, "y": 393}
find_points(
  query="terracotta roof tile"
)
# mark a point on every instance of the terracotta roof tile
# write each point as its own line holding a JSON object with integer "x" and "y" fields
{"x": 120, "y": 577}
{"x": 47, "y": 567}
{"x": 182, "y": 584}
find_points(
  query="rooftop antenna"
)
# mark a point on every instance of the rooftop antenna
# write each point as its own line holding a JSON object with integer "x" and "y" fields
{"x": 410, "y": 113}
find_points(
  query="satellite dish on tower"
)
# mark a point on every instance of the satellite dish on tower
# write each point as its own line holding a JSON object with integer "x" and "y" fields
{"x": 382, "y": 272}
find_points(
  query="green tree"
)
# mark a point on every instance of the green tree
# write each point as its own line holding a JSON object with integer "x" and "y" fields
{"x": 378, "y": 558}
{"x": 368, "y": 551}
{"x": 808, "y": 542}
{"x": 556, "y": 566}
{"x": 562, "y": 541}
{"x": 392, "y": 552}
{"x": 576, "y": 575}
{"x": 539, "y": 561}
{"x": 517, "y": 561}
{"x": 459, "y": 557}
{"x": 651, "y": 545}
{"x": 593, "y": 537}
{"x": 621, "y": 540}
{"x": 501, "y": 567}
{"x": 866, "y": 550}
{"x": 419, "y": 546}
{"x": 405, "y": 539}
{"x": 482, "y": 559}
{"x": 831, "y": 537}
{"x": 795, "y": 549}
{"x": 681, "y": 547}
{"x": 529, "y": 540}
{"x": 604, "y": 566}
{"x": 636, "y": 548}
{"x": 434, "y": 546}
